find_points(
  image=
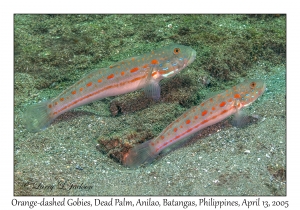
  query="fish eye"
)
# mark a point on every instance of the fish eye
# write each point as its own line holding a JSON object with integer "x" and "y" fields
{"x": 176, "y": 51}
{"x": 252, "y": 85}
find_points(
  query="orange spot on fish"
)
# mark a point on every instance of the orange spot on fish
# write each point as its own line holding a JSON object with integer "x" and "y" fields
{"x": 99, "y": 80}
{"x": 196, "y": 117}
{"x": 237, "y": 95}
{"x": 145, "y": 66}
{"x": 222, "y": 103}
{"x": 152, "y": 143}
{"x": 55, "y": 103}
{"x": 204, "y": 112}
{"x": 211, "y": 100}
{"x": 154, "y": 62}
{"x": 81, "y": 89}
{"x": 74, "y": 92}
{"x": 154, "y": 73}
{"x": 50, "y": 106}
{"x": 111, "y": 67}
{"x": 89, "y": 84}
{"x": 134, "y": 69}
{"x": 204, "y": 121}
{"x": 61, "y": 99}
{"x": 202, "y": 104}
{"x": 213, "y": 108}
{"x": 175, "y": 129}
{"x": 224, "y": 111}
{"x": 135, "y": 79}
{"x": 162, "y": 137}
{"x": 230, "y": 100}
{"x": 132, "y": 59}
{"x": 187, "y": 122}
{"x": 122, "y": 73}
{"x": 110, "y": 76}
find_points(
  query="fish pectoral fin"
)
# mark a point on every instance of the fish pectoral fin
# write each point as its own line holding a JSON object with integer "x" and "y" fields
{"x": 242, "y": 120}
{"x": 150, "y": 85}
{"x": 147, "y": 74}
{"x": 152, "y": 90}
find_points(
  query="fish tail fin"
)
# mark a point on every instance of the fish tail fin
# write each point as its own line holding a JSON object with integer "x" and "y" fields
{"x": 140, "y": 154}
{"x": 37, "y": 117}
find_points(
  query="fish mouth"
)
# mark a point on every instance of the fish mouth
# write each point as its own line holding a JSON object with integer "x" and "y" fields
{"x": 192, "y": 57}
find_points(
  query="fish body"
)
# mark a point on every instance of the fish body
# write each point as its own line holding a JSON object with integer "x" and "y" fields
{"x": 144, "y": 71}
{"x": 209, "y": 112}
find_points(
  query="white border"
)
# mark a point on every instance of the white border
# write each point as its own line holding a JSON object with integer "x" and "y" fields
{"x": 153, "y": 6}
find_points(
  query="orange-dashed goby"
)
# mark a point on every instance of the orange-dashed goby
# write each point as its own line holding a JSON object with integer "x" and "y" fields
{"x": 209, "y": 112}
{"x": 144, "y": 71}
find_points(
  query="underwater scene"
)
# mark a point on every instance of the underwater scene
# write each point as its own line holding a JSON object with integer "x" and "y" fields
{"x": 145, "y": 104}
